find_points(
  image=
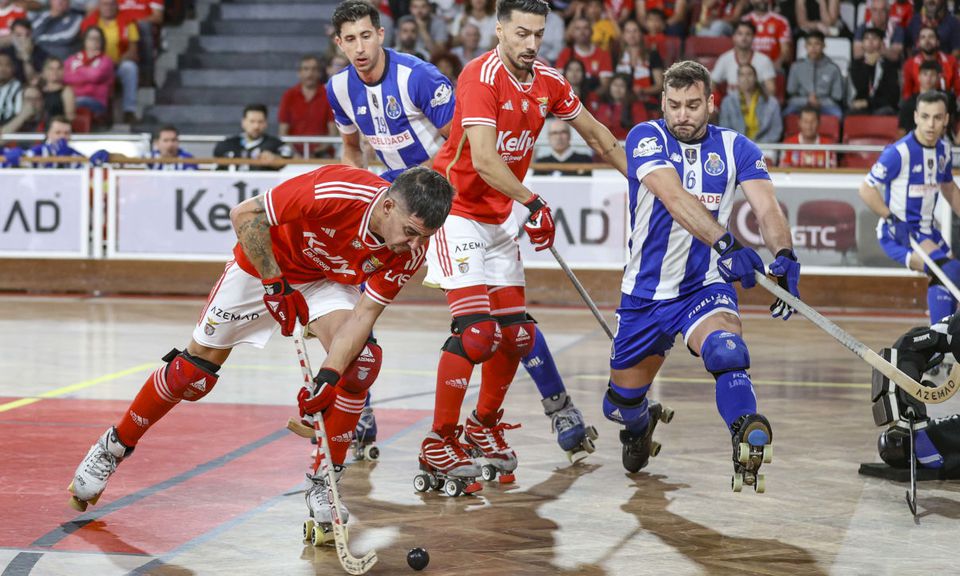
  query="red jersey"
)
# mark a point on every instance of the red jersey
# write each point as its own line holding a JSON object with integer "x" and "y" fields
{"x": 949, "y": 82}
{"x": 597, "y": 64}
{"x": 901, "y": 12}
{"x": 772, "y": 30}
{"x": 8, "y": 15}
{"x": 305, "y": 117}
{"x": 139, "y": 9}
{"x": 320, "y": 229}
{"x": 488, "y": 95}
{"x": 808, "y": 158}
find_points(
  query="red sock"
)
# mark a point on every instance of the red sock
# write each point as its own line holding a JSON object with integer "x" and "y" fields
{"x": 340, "y": 421}
{"x": 150, "y": 405}
{"x": 499, "y": 371}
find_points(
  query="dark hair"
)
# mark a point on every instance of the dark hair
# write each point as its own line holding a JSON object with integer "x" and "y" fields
{"x": 657, "y": 12}
{"x": 931, "y": 65}
{"x": 816, "y": 34}
{"x": 455, "y": 63}
{"x": 354, "y": 11}
{"x": 7, "y": 56}
{"x": 22, "y": 22}
{"x": 626, "y": 108}
{"x": 931, "y": 28}
{"x": 686, "y": 73}
{"x": 103, "y": 37}
{"x": 931, "y": 96}
{"x": 254, "y": 108}
{"x": 746, "y": 24}
{"x": 425, "y": 194}
{"x": 405, "y": 19}
{"x": 166, "y": 128}
{"x": 505, "y": 8}
{"x": 61, "y": 119}
{"x": 575, "y": 61}
{"x": 810, "y": 108}
{"x": 874, "y": 31}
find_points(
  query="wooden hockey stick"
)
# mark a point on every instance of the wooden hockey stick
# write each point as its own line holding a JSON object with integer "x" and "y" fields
{"x": 350, "y": 563}
{"x": 583, "y": 292}
{"x": 937, "y": 271}
{"x": 927, "y": 395}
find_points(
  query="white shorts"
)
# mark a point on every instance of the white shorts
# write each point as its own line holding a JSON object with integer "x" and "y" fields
{"x": 235, "y": 312}
{"x": 465, "y": 253}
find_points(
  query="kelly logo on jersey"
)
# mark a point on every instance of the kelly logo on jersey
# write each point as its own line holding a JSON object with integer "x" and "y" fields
{"x": 315, "y": 251}
{"x": 514, "y": 148}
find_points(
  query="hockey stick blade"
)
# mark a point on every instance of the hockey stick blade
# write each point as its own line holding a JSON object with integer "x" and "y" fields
{"x": 925, "y": 394}
{"x": 300, "y": 429}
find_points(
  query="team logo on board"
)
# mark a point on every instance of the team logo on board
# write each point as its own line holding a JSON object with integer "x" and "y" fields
{"x": 691, "y": 155}
{"x": 393, "y": 108}
{"x": 714, "y": 166}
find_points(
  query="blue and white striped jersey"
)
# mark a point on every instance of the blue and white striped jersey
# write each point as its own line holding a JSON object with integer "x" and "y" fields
{"x": 909, "y": 177}
{"x": 666, "y": 261}
{"x": 400, "y": 116}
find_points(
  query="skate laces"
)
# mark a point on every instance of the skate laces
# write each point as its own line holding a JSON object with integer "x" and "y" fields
{"x": 453, "y": 446}
{"x": 494, "y": 435}
{"x": 565, "y": 419}
{"x": 102, "y": 465}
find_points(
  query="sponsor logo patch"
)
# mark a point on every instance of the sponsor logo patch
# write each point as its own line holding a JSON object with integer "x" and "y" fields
{"x": 647, "y": 147}
{"x": 441, "y": 95}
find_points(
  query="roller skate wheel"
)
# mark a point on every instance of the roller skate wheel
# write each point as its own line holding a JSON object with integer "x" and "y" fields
{"x": 768, "y": 454}
{"x": 760, "y": 486}
{"x": 737, "y": 482}
{"x": 743, "y": 453}
{"x": 655, "y": 447}
{"x": 666, "y": 415}
{"x": 588, "y": 446}
{"x": 453, "y": 488}
{"x": 308, "y": 530}
{"x": 318, "y": 535}
{"x": 77, "y": 504}
{"x": 576, "y": 455}
{"x": 371, "y": 452}
{"x": 488, "y": 473}
{"x": 592, "y": 433}
{"x": 422, "y": 483}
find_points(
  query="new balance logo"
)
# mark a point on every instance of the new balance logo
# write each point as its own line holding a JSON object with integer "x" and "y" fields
{"x": 917, "y": 169}
{"x": 361, "y": 110}
{"x": 461, "y": 383}
{"x": 508, "y": 105}
{"x": 329, "y": 231}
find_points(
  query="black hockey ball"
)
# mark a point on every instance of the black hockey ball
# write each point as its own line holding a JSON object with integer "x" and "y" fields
{"x": 418, "y": 558}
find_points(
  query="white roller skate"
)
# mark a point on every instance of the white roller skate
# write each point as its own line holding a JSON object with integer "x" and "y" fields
{"x": 752, "y": 435}
{"x": 445, "y": 465}
{"x": 318, "y": 528}
{"x": 487, "y": 442}
{"x": 90, "y": 479}
{"x": 365, "y": 437}
{"x": 574, "y": 438}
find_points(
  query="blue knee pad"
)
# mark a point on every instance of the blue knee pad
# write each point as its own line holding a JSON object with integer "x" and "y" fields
{"x": 632, "y": 412}
{"x": 725, "y": 355}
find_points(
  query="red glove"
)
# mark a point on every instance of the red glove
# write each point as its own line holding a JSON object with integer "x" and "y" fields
{"x": 285, "y": 304}
{"x": 319, "y": 399}
{"x": 539, "y": 226}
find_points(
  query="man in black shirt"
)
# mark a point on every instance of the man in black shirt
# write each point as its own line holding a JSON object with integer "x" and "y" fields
{"x": 253, "y": 142}
{"x": 561, "y": 151}
{"x": 876, "y": 85}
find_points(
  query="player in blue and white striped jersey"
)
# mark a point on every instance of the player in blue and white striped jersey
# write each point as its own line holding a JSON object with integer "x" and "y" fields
{"x": 903, "y": 187}
{"x": 683, "y": 174}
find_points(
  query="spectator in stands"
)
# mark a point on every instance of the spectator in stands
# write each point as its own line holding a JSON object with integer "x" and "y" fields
{"x": 928, "y": 50}
{"x": 822, "y": 15}
{"x": 726, "y": 70}
{"x": 576, "y": 75}
{"x": 890, "y": 28}
{"x": 337, "y": 63}
{"x": 90, "y": 74}
{"x": 58, "y": 98}
{"x": 934, "y": 13}
{"x": 166, "y": 144}
{"x": 406, "y": 37}
{"x": 930, "y": 78}
{"x": 750, "y": 111}
{"x": 618, "y": 109}
{"x": 304, "y": 108}
{"x": 596, "y": 61}
{"x": 32, "y": 116}
{"x": 654, "y": 24}
{"x": 900, "y": 11}
{"x": 643, "y": 66}
{"x": 874, "y": 87}
{"x": 58, "y": 30}
{"x": 10, "y": 11}
{"x": 483, "y": 15}
{"x": 619, "y": 10}
{"x": 809, "y": 134}
{"x": 717, "y": 17}
{"x": 815, "y": 80}
{"x": 55, "y": 144}
{"x": 604, "y": 30}
{"x": 469, "y": 45}
{"x": 553, "y": 38}
{"x": 558, "y": 134}
{"x": 772, "y": 36}
{"x": 674, "y": 12}
{"x": 27, "y": 57}
{"x": 148, "y": 16}
{"x": 121, "y": 36}
{"x": 432, "y": 32}
{"x": 11, "y": 91}
{"x": 448, "y": 65}
{"x": 253, "y": 142}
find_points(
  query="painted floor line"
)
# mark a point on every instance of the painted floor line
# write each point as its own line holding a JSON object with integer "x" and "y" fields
{"x": 711, "y": 381}
{"x": 26, "y": 401}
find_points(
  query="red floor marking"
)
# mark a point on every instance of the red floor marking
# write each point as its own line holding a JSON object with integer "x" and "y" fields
{"x": 45, "y": 441}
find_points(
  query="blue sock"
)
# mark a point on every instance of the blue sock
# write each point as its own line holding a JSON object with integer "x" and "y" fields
{"x": 367, "y": 403}
{"x": 541, "y": 367}
{"x": 635, "y": 417}
{"x": 735, "y": 396}
{"x": 927, "y": 454}
{"x": 940, "y": 303}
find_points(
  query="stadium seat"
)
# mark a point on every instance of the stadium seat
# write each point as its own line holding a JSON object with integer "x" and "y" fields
{"x": 861, "y": 159}
{"x": 827, "y": 225}
{"x": 706, "y": 49}
{"x": 670, "y": 50}
{"x": 882, "y": 127}
{"x": 83, "y": 121}
{"x": 829, "y": 126}
{"x": 780, "y": 81}
{"x": 848, "y": 13}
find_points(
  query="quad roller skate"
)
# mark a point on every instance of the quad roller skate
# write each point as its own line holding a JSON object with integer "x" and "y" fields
{"x": 318, "y": 528}
{"x": 487, "y": 442}
{"x": 752, "y": 435}
{"x": 574, "y": 438}
{"x": 364, "y": 443}
{"x": 637, "y": 450}
{"x": 101, "y": 461}
{"x": 446, "y": 466}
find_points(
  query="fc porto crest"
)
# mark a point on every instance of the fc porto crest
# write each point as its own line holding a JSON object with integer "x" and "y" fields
{"x": 543, "y": 106}
{"x": 371, "y": 264}
{"x": 393, "y": 108}
{"x": 714, "y": 166}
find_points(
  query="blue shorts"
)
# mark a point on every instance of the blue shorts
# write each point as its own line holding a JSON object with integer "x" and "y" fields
{"x": 648, "y": 327}
{"x": 900, "y": 253}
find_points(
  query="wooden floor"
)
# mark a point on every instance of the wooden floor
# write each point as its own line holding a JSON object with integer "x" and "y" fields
{"x": 215, "y": 487}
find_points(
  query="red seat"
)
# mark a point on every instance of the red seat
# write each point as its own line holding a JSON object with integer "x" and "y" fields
{"x": 861, "y": 159}
{"x": 870, "y": 126}
{"x": 670, "y": 50}
{"x": 702, "y": 48}
{"x": 780, "y": 83}
{"x": 827, "y": 225}
{"x": 83, "y": 121}
{"x": 829, "y": 126}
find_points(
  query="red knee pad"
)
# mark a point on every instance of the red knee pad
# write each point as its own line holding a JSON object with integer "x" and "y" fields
{"x": 363, "y": 372}
{"x": 187, "y": 377}
{"x": 519, "y": 334}
{"x": 475, "y": 337}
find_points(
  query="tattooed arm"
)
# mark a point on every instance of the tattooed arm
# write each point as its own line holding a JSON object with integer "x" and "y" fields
{"x": 249, "y": 220}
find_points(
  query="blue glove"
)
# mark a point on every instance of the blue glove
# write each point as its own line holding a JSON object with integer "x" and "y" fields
{"x": 100, "y": 157}
{"x": 787, "y": 270}
{"x": 391, "y": 175}
{"x": 11, "y": 157}
{"x": 898, "y": 230}
{"x": 736, "y": 261}
{"x": 60, "y": 148}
